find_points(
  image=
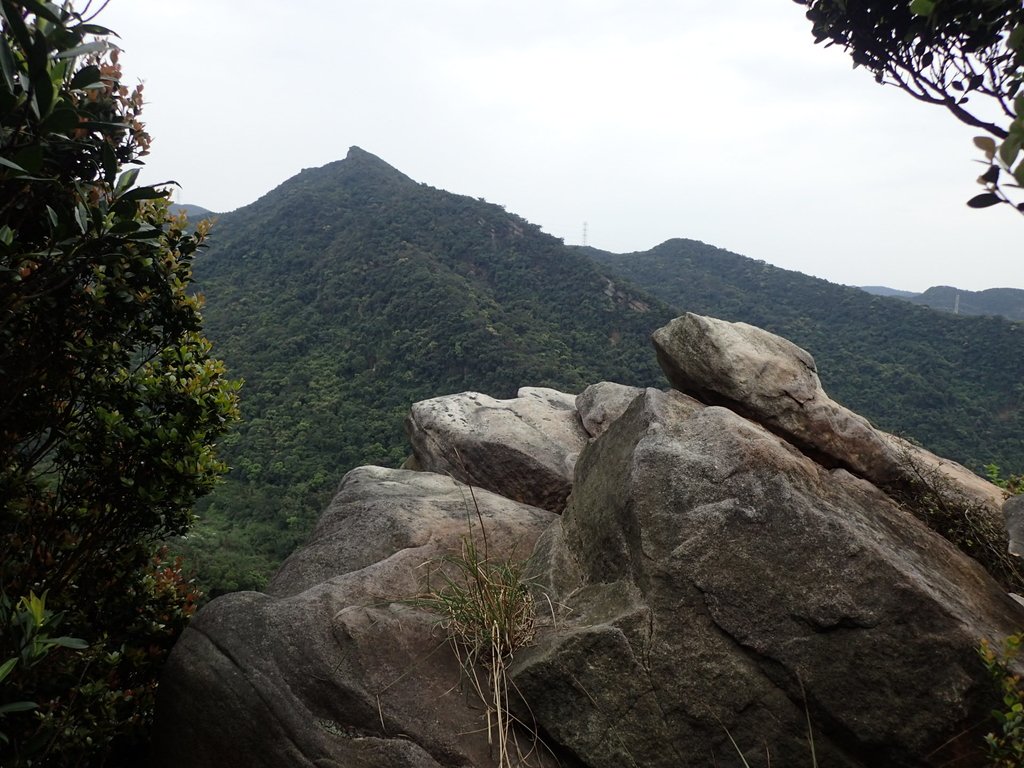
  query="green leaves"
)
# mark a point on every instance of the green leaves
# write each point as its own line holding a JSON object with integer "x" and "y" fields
{"x": 7, "y": 667}
{"x": 7, "y": 67}
{"x": 943, "y": 52}
{"x": 922, "y": 7}
{"x": 85, "y": 77}
{"x": 1010, "y": 148}
{"x": 12, "y": 165}
{"x": 94, "y": 295}
{"x": 126, "y": 181}
{"x": 986, "y": 144}
{"x": 984, "y": 200}
{"x": 99, "y": 46}
{"x": 991, "y": 176}
{"x": 1006, "y": 743}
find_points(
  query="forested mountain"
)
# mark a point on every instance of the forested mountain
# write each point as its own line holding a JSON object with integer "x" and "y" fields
{"x": 351, "y": 291}
{"x": 194, "y": 212}
{"x": 953, "y": 383}
{"x": 882, "y": 290}
{"x": 1008, "y": 302}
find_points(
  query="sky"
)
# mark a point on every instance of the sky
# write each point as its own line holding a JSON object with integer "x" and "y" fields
{"x": 636, "y": 120}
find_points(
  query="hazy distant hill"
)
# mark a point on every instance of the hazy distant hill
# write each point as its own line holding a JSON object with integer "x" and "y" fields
{"x": 194, "y": 212}
{"x": 881, "y": 290}
{"x": 1007, "y": 302}
{"x": 954, "y": 383}
{"x": 351, "y": 291}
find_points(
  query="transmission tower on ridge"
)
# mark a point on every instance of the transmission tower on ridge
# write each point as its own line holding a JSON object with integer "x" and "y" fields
{"x": 584, "y": 233}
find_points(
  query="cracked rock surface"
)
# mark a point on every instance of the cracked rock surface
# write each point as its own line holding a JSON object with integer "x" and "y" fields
{"x": 775, "y": 383}
{"x": 712, "y": 577}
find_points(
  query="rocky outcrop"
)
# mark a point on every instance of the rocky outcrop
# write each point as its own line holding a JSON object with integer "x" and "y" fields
{"x": 718, "y": 583}
{"x": 775, "y": 383}
{"x": 524, "y": 448}
{"x": 601, "y": 404}
{"x": 737, "y": 564}
{"x": 1013, "y": 510}
{"x": 336, "y": 665}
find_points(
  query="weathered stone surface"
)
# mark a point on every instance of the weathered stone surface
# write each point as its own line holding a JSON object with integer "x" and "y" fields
{"x": 332, "y": 667}
{"x": 524, "y": 448}
{"x": 955, "y": 479}
{"x": 713, "y": 578}
{"x": 601, "y": 404}
{"x": 1013, "y": 512}
{"x": 773, "y": 382}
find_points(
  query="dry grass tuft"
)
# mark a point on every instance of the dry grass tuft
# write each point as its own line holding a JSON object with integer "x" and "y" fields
{"x": 487, "y": 613}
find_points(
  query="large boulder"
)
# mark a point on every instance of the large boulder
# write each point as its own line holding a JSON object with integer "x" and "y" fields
{"x": 601, "y": 404}
{"x": 524, "y": 448}
{"x": 337, "y": 665}
{"x": 716, "y": 584}
{"x": 775, "y": 383}
{"x": 722, "y": 579}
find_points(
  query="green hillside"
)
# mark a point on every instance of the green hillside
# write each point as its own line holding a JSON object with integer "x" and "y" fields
{"x": 194, "y": 212}
{"x": 953, "y": 383}
{"x": 350, "y": 292}
{"x": 1008, "y": 302}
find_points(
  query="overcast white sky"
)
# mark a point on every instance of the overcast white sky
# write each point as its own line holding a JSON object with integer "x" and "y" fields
{"x": 717, "y": 120}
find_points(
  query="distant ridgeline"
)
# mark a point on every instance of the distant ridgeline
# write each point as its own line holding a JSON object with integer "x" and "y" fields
{"x": 351, "y": 291}
{"x": 1008, "y": 302}
{"x": 194, "y": 212}
{"x": 953, "y": 383}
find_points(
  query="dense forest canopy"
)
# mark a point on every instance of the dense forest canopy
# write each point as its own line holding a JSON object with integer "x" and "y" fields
{"x": 351, "y": 291}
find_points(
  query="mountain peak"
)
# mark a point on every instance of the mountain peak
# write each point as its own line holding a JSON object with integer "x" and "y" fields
{"x": 361, "y": 162}
{"x": 360, "y": 173}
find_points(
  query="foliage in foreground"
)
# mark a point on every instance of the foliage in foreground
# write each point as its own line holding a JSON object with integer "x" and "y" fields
{"x": 1006, "y": 745}
{"x": 957, "y": 54}
{"x": 487, "y": 613}
{"x": 110, "y": 403}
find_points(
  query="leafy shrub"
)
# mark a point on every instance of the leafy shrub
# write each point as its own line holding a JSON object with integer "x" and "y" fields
{"x": 1006, "y": 746}
{"x": 110, "y": 401}
{"x": 970, "y": 525}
